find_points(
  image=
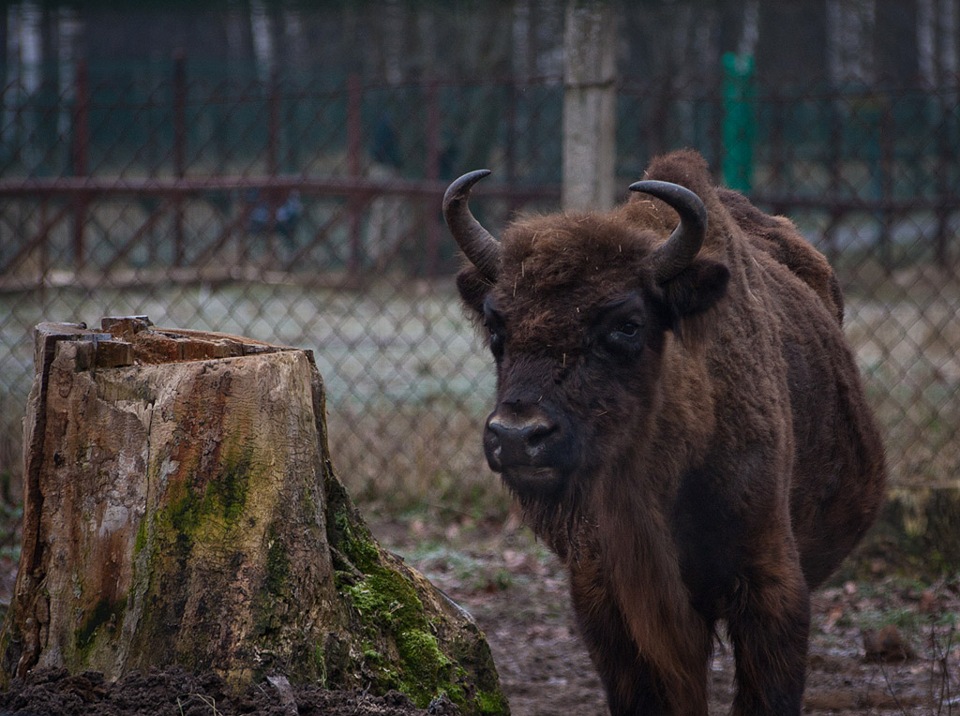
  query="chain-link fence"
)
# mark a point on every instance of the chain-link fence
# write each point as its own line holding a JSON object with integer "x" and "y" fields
{"x": 307, "y": 213}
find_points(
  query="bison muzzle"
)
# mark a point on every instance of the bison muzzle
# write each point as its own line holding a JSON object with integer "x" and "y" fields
{"x": 681, "y": 421}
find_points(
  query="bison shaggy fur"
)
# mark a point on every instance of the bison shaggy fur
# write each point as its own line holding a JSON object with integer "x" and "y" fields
{"x": 693, "y": 443}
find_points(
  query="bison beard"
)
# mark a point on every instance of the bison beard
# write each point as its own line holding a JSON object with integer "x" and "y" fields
{"x": 682, "y": 422}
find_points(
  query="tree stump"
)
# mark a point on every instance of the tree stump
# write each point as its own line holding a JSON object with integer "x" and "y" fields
{"x": 180, "y": 508}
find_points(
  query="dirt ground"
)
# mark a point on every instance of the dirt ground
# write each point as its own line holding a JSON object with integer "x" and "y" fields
{"x": 883, "y": 645}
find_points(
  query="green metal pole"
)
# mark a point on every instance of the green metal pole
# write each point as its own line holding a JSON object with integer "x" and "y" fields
{"x": 739, "y": 121}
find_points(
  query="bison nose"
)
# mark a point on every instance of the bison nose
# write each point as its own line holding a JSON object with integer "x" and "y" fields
{"x": 518, "y": 440}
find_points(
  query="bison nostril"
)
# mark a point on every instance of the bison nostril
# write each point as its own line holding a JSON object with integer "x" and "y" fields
{"x": 533, "y": 431}
{"x": 538, "y": 432}
{"x": 518, "y": 442}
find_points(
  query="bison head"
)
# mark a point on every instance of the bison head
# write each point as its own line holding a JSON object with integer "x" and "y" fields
{"x": 577, "y": 309}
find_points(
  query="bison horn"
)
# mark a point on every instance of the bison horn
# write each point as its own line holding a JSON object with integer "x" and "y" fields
{"x": 477, "y": 243}
{"x": 685, "y": 241}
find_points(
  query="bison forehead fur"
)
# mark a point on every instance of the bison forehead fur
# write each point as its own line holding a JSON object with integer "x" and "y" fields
{"x": 555, "y": 275}
{"x": 682, "y": 422}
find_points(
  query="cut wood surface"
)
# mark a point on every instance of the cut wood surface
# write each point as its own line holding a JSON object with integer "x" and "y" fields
{"x": 181, "y": 508}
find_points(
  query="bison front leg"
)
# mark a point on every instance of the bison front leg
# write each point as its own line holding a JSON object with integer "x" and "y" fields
{"x": 633, "y": 686}
{"x": 769, "y": 627}
{"x": 630, "y": 685}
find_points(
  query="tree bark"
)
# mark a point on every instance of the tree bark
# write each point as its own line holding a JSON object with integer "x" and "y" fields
{"x": 180, "y": 508}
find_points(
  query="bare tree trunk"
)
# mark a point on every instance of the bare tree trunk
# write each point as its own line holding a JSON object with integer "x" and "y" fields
{"x": 589, "y": 105}
{"x": 180, "y": 508}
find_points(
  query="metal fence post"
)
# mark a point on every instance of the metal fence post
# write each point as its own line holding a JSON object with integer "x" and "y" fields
{"x": 273, "y": 124}
{"x": 945, "y": 161}
{"x": 885, "y": 131}
{"x": 81, "y": 149}
{"x": 179, "y": 149}
{"x": 834, "y": 161}
{"x": 354, "y": 98}
{"x": 432, "y": 173}
{"x": 739, "y": 124}
{"x": 272, "y": 196}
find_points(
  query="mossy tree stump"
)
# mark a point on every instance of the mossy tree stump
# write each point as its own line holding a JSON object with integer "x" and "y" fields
{"x": 180, "y": 509}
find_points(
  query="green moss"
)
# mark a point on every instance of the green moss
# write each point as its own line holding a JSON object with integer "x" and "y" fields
{"x": 200, "y": 509}
{"x": 389, "y": 607}
{"x": 226, "y": 494}
{"x": 104, "y": 613}
{"x": 390, "y": 599}
{"x": 278, "y": 566}
{"x": 400, "y": 648}
{"x": 371, "y": 656}
{"x": 223, "y": 497}
{"x": 360, "y": 549}
{"x": 184, "y": 513}
{"x": 273, "y": 599}
{"x": 346, "y": 531}
{"x": 490, "y": 702}
{"x": 140, "y": 541}
{"x": 320, "y": 666}
{"x": 426, "y": 670}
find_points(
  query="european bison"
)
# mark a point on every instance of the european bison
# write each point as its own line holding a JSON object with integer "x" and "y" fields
{"x": 682, "y": 422}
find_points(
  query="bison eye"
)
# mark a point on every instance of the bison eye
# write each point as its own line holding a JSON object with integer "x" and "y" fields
{"x": 624, "y": 339}
{"x": 620, "y": 327}
{"x": 494, "y": 324}
{"x": 496, "y": 341}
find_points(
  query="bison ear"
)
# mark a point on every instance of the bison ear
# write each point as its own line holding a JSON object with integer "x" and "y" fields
{"x": 695, "y": 290}
{"x": 473, "y": 289}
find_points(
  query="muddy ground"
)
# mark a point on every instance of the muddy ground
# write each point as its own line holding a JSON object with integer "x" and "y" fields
{"x": 880, "y": 645}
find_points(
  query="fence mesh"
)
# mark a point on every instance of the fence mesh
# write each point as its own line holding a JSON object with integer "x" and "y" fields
{"x": 307, "y": 213}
